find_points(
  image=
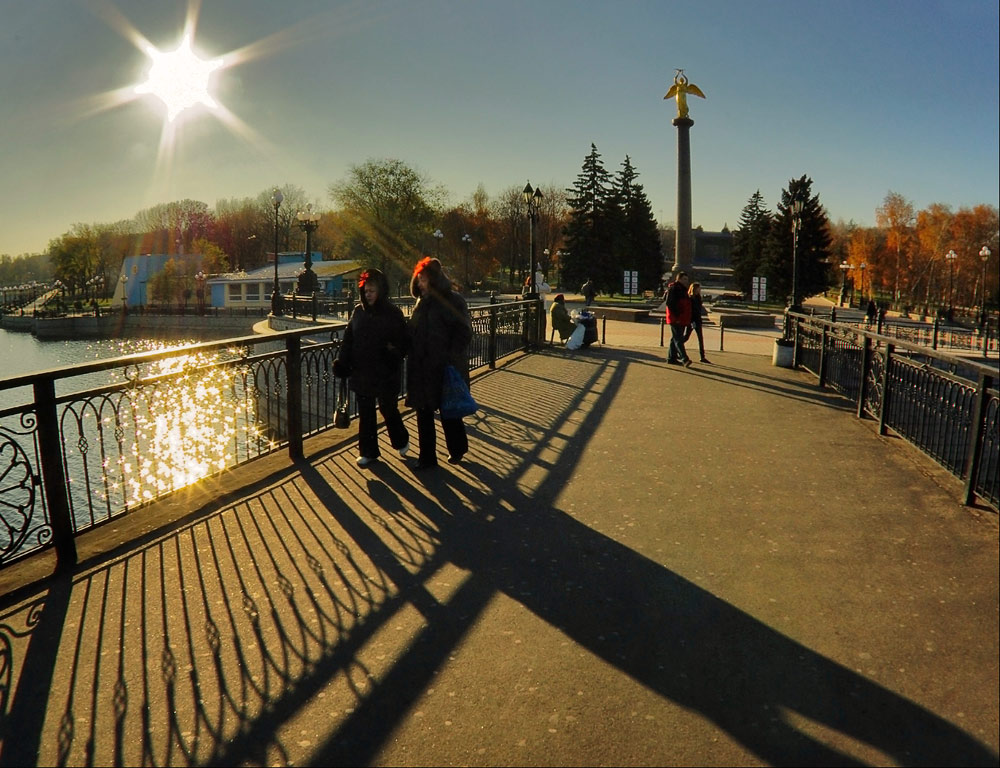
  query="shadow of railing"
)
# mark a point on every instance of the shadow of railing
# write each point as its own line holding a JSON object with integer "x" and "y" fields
{"x": 301, "y": 622}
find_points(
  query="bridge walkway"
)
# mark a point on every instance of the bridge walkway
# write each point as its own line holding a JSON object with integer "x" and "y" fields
{"x": 637, "y": 564}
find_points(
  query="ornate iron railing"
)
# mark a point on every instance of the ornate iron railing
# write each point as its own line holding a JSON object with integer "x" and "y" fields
{"x": 945, "y": 405}
{"x": 102, "y": 439}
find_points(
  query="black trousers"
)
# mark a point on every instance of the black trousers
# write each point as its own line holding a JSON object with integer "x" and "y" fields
{"x": 455, "y": 439}
{"x": 368, "y": 424}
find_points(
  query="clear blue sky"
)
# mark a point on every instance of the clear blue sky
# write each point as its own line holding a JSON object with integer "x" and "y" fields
{"x": 864, "y": 97}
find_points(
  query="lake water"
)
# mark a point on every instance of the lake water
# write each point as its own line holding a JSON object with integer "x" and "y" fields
{"x": 22, "y": 353}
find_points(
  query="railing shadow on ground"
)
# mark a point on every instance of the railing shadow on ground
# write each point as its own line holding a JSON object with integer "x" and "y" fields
{"x": 328, "y": 601}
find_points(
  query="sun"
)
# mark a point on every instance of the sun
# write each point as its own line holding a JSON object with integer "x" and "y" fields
{"x": 180, "y": 78}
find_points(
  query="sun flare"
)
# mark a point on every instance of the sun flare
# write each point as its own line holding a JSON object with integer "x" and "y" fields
{"x": 180, "y": 78}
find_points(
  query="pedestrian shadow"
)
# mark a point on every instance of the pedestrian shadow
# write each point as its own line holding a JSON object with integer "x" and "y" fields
{"x": 653, "y": 625}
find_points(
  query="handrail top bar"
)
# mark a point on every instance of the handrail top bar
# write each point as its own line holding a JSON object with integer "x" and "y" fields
{"x": 989, "y": 370}
{"x": 79, "y": 369}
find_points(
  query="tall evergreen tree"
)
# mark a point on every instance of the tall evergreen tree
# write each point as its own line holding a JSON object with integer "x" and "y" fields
{"x": 638, "y": 243}
{"x": 749, "y": 242}
{"x": 588, "y": 236}
{"x": 813, "y": 243}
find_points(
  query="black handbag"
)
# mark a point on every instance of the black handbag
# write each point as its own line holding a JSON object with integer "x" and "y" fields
{"x": 342, "y": 416}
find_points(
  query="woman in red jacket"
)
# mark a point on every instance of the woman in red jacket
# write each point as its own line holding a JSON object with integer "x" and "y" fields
{"x": 679, "y": 318}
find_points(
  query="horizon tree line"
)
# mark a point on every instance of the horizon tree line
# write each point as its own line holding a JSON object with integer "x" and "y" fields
{"x": 385, "y": 212}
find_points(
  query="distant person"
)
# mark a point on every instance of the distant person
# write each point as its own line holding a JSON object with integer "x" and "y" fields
{"x": 561, "y": 321}
{"x": 870, "y": 312}
{"x": 371, "y": 358}
{"x": 679, "y": 318}
{"x": 697, "y": 313}
{"x": 439, "y": 333}
{"x": 588, "y": 291}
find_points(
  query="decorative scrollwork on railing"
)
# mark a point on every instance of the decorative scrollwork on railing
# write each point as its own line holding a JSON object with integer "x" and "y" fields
{"x": 18, "y": 497}
{"x": 873, "y": 385}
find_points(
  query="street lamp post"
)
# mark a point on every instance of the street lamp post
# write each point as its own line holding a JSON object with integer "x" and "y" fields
{"x": 276, "y": 198}
{"x": 533, "y": 198}
{"x": 845, "y": 267}
{"x": 950, "y": 257}
{"x": 467, "y": 239}
{"x": 862, "y": 267}
{"x": 438, "y": 236}
{"x": 124, "y": 281}
{"x": 200, "y": 278}
{"x": 984, "y": 254}
{"x": 796, "y": 226}
{"x": 308, "y": 220}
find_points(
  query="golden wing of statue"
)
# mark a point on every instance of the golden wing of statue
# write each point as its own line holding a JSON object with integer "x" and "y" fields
{"x": 672, "y": 92}
{"x": 694, "y": 90}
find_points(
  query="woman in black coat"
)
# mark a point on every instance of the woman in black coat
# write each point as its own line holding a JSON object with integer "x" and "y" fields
{"x": 439, "y": 332}
{"x": 371, "y": 355}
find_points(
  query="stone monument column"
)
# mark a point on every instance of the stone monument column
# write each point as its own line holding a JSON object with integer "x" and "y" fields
{"x": 684, "y": 242}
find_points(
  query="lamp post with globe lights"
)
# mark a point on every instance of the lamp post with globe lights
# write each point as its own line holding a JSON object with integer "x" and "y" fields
{"x": 984, "y": 255}
{"x": 276, "y": 198}
{"x": 845, "y": 267}
{"x": 200, "y": 291}
{"x": 438, "y": 237}
{"x": 307, "y": 220}
{"x": 533, "y": 199}
{"x": 467, "y": 239}
{"x": 950, "y": 258}
{"x": 796, "y": 209}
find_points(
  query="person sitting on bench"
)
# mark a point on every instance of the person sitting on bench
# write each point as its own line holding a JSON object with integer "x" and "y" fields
{"x": 561, "y": 320}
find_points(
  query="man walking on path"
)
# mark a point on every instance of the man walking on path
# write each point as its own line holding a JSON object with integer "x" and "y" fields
{"x": 588, "y": 291}
{"x": 679, "y": 318}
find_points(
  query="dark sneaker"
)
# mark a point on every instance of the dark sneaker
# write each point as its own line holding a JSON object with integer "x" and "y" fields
{"x": 688, "y": 363}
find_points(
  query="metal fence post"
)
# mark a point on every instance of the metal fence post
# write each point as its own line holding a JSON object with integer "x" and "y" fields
{"x": 822, "y": 357}
{"x": 977, "y": 437}
{"x": 492, "y": 344}
{"x": 795, "y": 342}
{"x": 53, "y": 475}
{"x": 886, "y": 387}
{"x": 866, "y": 364}
{"x": 934, "y": 339}
{"x": 293, "y": 364}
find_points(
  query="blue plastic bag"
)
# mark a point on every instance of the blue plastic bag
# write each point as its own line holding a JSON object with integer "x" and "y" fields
{"x": 456, "y": 399}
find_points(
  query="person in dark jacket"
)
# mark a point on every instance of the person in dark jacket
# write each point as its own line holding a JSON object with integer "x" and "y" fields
{"x": 439, "y": 333}
{"x": 561, "y": 321}
{"x": 371, "y": 358}
{"x": 679, "y": 318}
{"x": 697, "y": 312}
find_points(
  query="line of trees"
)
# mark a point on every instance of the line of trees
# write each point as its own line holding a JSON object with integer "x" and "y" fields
{"x": 384, "y": 212}
{"x": 906, "y": 255}
{"x": 610, "y": 228}
{"x": 901, "y": 261}
{"x": 763, "y": 243}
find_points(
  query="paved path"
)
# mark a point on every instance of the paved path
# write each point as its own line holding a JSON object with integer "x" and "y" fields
{"x": 638, "y": 564}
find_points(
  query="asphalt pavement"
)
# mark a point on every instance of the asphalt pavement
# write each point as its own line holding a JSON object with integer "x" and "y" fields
{"x": 636, "y": 564}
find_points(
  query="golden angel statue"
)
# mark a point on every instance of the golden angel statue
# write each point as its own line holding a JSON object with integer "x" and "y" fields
{"x": 681, "y": 88}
